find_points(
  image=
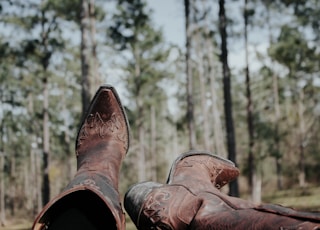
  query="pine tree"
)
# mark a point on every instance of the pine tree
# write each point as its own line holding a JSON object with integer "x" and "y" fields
{"x": 142, "y": 45}
{"x": 231, "y": 142}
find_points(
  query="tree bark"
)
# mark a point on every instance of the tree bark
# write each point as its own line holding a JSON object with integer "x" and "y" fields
{"x": 38, "y": 183}
{"x": 153, "y": 145}
{"x": 141, "y": 154}
{"x": 45, "y": 114}
{"x": 12, "y": 190}
{"x": 85, "y": 60}
{"x": 218, "y": 134}
{"x": 45, "y": 159}
{"x": 2, "y": 196}
{"x": 202, "y": 84}
{"x": 190, "y": 112}
{"x": 140, "y": 116}
{"x": 254, "y": 178}
{"x": 95, "y": 63}
{"x": 277, "y": 113}
{"x": 2, "y": 170}
{"x": 231, "y": 143}
{"x": 302, "y": 135}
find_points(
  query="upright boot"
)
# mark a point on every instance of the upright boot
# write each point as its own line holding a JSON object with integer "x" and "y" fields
{"x": 191, "y": 199}
{"x": 91, "y": 200}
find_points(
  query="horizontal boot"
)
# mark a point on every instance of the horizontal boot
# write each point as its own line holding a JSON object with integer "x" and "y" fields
{"x": 174, "y": 205}
{"x": 191, "y": 199}
{"x": 91, "y": 200}
{"x": 152, "y": 205}
{"x": 211, "y": 217}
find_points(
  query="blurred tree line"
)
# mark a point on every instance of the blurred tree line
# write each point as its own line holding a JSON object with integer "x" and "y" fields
{"x": 54, "y": 54}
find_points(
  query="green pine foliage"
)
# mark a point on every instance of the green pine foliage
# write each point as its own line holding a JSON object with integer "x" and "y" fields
{"x": 40, "y": 43}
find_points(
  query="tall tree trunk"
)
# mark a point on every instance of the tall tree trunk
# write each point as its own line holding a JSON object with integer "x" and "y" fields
{"x": 12, "y": 190}
{"x": 302, "y": 136}
{"x": 45, "y": 180}
{"x": 2, "y": 178}
{"x": 153, "y": 144}
{"x": 278, "y": 156}
{"x": 32, "y": 181}
{"x": 85, "y": 58}
{"x": 96, "y": 81}
{"x": 27, "y": 196}
{"x": 141, "y": 154}
{"x": 231, "y": 143}
{"x": 38, "y": 183}
{"x": 190, "y": 112}
{"x": 277, "y": 113}
{"x": 2, "y": 171}
{"x": 140, "y": 121}
{"x": 45, "y": 115}
{"x": 217, "y": 128}
{"x": 254, "y": 177}
{"x": 202, "y": 86}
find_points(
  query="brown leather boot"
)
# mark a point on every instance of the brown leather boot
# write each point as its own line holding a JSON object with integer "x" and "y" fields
{"x": 191, "y": 200}
{"x": 174, "y": 205}
{"x": 200, "y": 168}
{"x": 92, "y": 200}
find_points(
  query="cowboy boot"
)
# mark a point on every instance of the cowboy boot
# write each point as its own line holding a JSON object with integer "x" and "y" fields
{"x": 91, "y": 200}
{"x": 174, "y": 205}
{"x": 191, "y": 199}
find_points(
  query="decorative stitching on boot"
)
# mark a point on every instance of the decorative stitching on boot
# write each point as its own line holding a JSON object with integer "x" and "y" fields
{"x": 94, "y": 125}
{"x": 213, "y": 171}
{"x": 155, "y": 210}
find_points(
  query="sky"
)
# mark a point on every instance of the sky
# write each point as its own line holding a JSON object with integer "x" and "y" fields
{"x": 169, "y": 15}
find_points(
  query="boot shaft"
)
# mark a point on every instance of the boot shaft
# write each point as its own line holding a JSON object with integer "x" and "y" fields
{"x": 92, "y": 197}
{"x": 202, "y": 171}
{"x": 155, "y": 206}
{"x": 87, "y": 203}
{"x": 103, "y": 138}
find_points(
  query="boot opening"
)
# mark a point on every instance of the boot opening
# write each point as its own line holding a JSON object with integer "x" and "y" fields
{"x": 81, "y": 210}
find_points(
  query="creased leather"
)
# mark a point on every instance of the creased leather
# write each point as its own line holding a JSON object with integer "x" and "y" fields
{"x": 102, "y": 143}
{"x": 192, "y": 199}
{"x": 171, "y": 208}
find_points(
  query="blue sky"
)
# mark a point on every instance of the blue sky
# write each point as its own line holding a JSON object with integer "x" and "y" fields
{"x": 169, "y": 15}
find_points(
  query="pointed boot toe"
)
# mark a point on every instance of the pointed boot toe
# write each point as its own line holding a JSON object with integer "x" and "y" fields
{"x": 202, "y": 166}
{"x": 92, "y": 200}
{"x": 104, "y": 123}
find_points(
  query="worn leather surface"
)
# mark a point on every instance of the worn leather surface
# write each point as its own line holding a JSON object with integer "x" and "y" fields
{"x": 101, "y": 145}
{"x": 199, "y": 171}
{"x": 172, "y": 207}
{"x": 219, "y": 211}
{"x": 191, "y": 199}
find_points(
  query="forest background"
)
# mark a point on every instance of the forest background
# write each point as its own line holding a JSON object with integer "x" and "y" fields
{"x": 243, "y": 84}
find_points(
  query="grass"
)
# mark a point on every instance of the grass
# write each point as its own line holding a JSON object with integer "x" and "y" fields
{"x": 26, "y": 225}
{"x": 17, "y": 225}
{"x": 307, "y": 199}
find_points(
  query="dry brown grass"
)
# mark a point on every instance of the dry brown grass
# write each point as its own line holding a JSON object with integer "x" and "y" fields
{"x": 307, "y": 199}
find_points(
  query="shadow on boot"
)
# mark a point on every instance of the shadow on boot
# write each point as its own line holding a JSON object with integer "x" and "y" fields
{"x": 191, "y": 199}
{"x": 152, "y": 205}
{"x": 91, "y": 200}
